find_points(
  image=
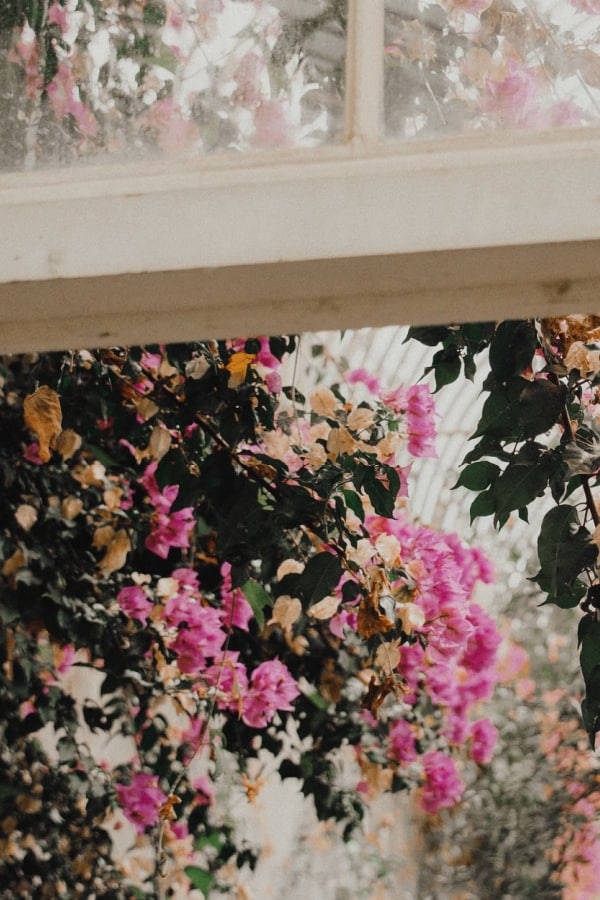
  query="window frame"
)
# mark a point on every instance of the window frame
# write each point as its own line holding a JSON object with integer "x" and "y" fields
{"x": 366, "y": 232}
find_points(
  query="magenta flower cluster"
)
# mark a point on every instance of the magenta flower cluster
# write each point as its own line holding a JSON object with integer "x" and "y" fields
{"x": 168, "y": 529}
{"x": 141, "y": 800}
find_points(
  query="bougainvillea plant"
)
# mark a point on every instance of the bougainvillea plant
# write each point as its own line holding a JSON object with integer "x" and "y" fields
{"x": 538, "y": 436}
{"x": 237, "y": 566}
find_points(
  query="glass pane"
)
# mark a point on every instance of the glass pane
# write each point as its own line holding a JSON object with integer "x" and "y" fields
{"x": 91, "y": 79}
{"x": 467, "y": 65}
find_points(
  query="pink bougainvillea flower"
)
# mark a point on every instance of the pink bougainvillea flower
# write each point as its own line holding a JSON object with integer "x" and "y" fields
{"x": 361, "y": 376}
{"x": 587, "y": 6}
{"x": 417, "y": 404}
{"x": 32, "y": 454}
{"x": 235, "y": 609}
{"x": 198, "y": 642}
{"x": 135, "y": 603}
{"x": 483, "y": 643}
{"x": 151, "y": 361}
{"x": 160, "y": 500}
{"x": 205, "y": 793}
{"x": 484, "y": 737}
{"x": 456, "y": 728}
{"x": 170, "y": 531}
{"x": 271, "y": 126}
{"x": 248, "y": 76}
{"x": 272, "y": 688}
{"x": 63, "y": 94}
{"x": 141, "y": 800}
{"x": 514, "y": 99}
{"x": 176, "y": 132}
{"x": 26, "y": 54}
{"x": 402, "y": 746}
{"x": 230, "y": 676}
{"x": 443, "y": 786}
{"x": 167, "y": 529}
{"x": 57, "y": 15}
{"x": 420, "y": 421}
{"x": 346, "y": 618}
{"x": 64, "y": 658}
{"x": 27, "y": 708}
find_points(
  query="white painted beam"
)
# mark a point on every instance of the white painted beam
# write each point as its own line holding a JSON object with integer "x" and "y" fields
{"x": 264, "y": 243}
{"x": 323, "y": 204}
{"x": 311, "y": 295}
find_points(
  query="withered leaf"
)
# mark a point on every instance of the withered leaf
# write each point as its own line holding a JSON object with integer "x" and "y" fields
{"x": 68, "y": 443}
{"x": 159, "y": 443}
{"x": 71, "y": 507}
{"x": 103, "y": 536}
{"x": 146, "y": 408}
{"x": 387, "y": 656}
{"x": 43, "y": 415}
{"x": 89, "y": 476}
{"x": 286, "y": 611}
{"x": 377, "y": 692}
{"x": 116, "y": 553}
{"x": 325, "y": 608}
{"x": 26, "y": 515}
{"x": 370, "y": 619}
{"x": 14, "y": 562}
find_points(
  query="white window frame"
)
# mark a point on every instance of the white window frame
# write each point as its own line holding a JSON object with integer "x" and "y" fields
{"x": 367, "y": 232}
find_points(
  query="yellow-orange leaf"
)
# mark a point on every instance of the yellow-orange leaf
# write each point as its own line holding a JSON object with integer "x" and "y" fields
{"x": 68, "y": 443}
{"x": 71, "y": 507}
{"x": 285, "y": 611}
{"x": 237, "y": 367}
{"x": 43, "y": 416}
{"x": 159, "y": 443}
{"x": 325, "y": 608}
{"x": 387, "y": 656}
{"x": 26, "y": 515}
{"x": 13, "y": 563}
{"x": 116, "y": 553}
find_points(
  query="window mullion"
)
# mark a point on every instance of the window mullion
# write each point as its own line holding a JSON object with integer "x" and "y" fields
{"x": 364, "y": 71}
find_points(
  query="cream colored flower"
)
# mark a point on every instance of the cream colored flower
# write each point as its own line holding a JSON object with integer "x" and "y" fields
{"x": 411, "y": 616}
{"x": 388, "y": 548}
{"x": 360, "y": 418}
{"x": 340, "y": 441}
{"x": 317, "y": 456}
{"x": 323, "y": 402}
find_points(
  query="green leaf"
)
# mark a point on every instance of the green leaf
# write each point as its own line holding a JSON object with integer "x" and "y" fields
{"x": 200, "y": 878}
{"x": 353, "y": 502}
{"x": 478, "y": 476}
{"x": 430, "y": 336}
{"x": 500, "y": 413}
{"x": 590, "y": 707}
{"x": 202, "y": 528}
{"x": 103, "y": 457}
{"x": 512, "y": 348}
{"x": 518, "y": 486}
{"x": 213, "y": 839}
{"x": 258, "y": 598}
{"x": 540, "y": 406}
{"x": 382, "y": 499}
{"x": 318, "y": 701}
{"x": 487, "y": 446}
{"x": 564, "y": 550}
{"x": 590, "y": 649}
{"x": 320, "y": 576}
{"x": 446, "y": 366}
{"x": 483, "y": 505}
